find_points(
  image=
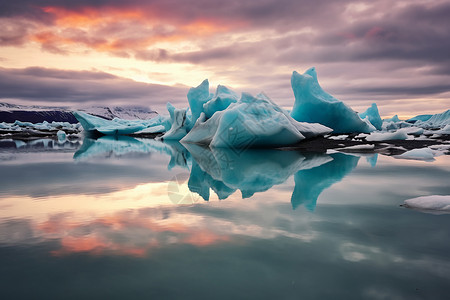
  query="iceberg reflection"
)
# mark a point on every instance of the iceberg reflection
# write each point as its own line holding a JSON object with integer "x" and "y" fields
{"x": 310, "y": 183}
{"x": 108, "y": 145}
{"x": 225, "y": 171}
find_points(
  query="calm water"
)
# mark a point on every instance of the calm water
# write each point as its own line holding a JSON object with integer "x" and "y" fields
{"x": 117, "y": 219}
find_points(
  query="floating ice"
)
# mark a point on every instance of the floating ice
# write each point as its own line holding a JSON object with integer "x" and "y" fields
{"x": 314, "y": 105}
{"x": 425, "y": 154}
{"x": 179, "y": 123}
{"x": 358, "y": 147}
{"x": 435, "y": 121}
{"x": 393, "y": 119}
{"x": 197, "y": 97}
{"x": 431, "y": 203}
{"x": 445, "y": 130}
{"x": 116, "y": 126}
{"x": 422, "y": 118}
{"x": 373, "y": 115}
{"x": 61, "y": 136}
{"x": 44, "y": 127}
{"x": 252, "y": 122}
{"x": 387, "y": 136}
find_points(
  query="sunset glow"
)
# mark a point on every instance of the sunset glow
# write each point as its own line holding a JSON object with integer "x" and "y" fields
{"x": 365, "y": 51}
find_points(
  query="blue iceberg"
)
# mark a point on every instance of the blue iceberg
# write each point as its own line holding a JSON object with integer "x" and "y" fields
{"x": 421, "y": 118}
{"x": 116, "y": 126}
{"x": 179, "y": 123}
{"x": 436, "y": 121}
{"x": 221, "y": 100}
{"x": 314, "y": 105}
{"x": 373, "y": 116}
{"x": 251, "y": 122}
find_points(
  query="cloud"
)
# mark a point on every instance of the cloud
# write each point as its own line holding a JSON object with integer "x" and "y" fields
{"x": 77, "y": 87}
{"x": 400, "y": 49}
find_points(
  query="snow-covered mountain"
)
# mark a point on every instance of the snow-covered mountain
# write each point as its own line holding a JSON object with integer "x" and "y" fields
{"x": 122, "y": 112}
{"x": 36, "y": 114}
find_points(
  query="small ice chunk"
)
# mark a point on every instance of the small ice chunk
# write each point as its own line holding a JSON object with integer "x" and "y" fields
{"x": 359, "y": 147}
{"x": 61, "y": 136}
{"x": 430, "y": 203}
{"x": 445, "y": 130}
{"x": 387, "y": 136}
{"x": 394, "y": 119}
{"x": 338, "y": 137}
{"x": 425, "y": 154}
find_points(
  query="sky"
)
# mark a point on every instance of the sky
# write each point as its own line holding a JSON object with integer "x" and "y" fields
{"x": 148, "y": 52}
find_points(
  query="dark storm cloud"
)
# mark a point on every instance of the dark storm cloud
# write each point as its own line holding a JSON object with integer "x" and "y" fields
{"x": 71, "y": 87}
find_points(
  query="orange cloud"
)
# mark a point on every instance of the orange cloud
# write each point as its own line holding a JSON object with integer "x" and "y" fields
{"x": 98, "y": 241}
{"x": 204, "y": 238}
{"x": 88, "y": 16}
{"x": 111, "y": 29}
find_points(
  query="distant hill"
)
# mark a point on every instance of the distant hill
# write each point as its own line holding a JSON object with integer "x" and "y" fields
{"x": 37, "y": 114}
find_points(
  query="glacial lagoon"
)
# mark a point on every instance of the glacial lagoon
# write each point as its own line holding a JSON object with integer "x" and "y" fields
{"x": 126, "y": 218}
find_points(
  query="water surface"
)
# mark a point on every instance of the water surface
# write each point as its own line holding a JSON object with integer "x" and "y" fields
{"x": 129, "y": 218}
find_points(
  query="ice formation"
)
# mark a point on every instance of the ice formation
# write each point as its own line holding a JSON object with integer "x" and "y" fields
{"x": 178, "y": 118}
{"x": 61, "y": 135}
{"x": 224, "y": 119}
{"x": 393, "y": 119}
{"x": 436, "y": 121}
{"x": 421, "y": 118}
{"x": 252, "y": 121}
{"x": 197, "y": 97}
{"x": 425, "y": 154}
{"x": 373, "y": 115}
{"x": 430, "y": 203}
{"x": 221, "y": 100}
{"x": 387, "y": 136}
{"x": 314, "y": 105}
{"x": 45, "y": 126}
{"x": 116, "y": 126}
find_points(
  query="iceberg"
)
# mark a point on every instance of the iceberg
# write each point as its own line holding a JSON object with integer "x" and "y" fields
{"x": 116, "y": 126}
{"x": 251, "y": 122}
{"x": 221, "y": 100}
{"x": 373, "y": 115}
{"x": 421, "y": 118}
{"x": 394, "y": 119}
{"x": 197, "y": 97}
{"x": 436, "y": 121}
{"x": 314, "y": 105}
{"x": 179, "y": 121}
